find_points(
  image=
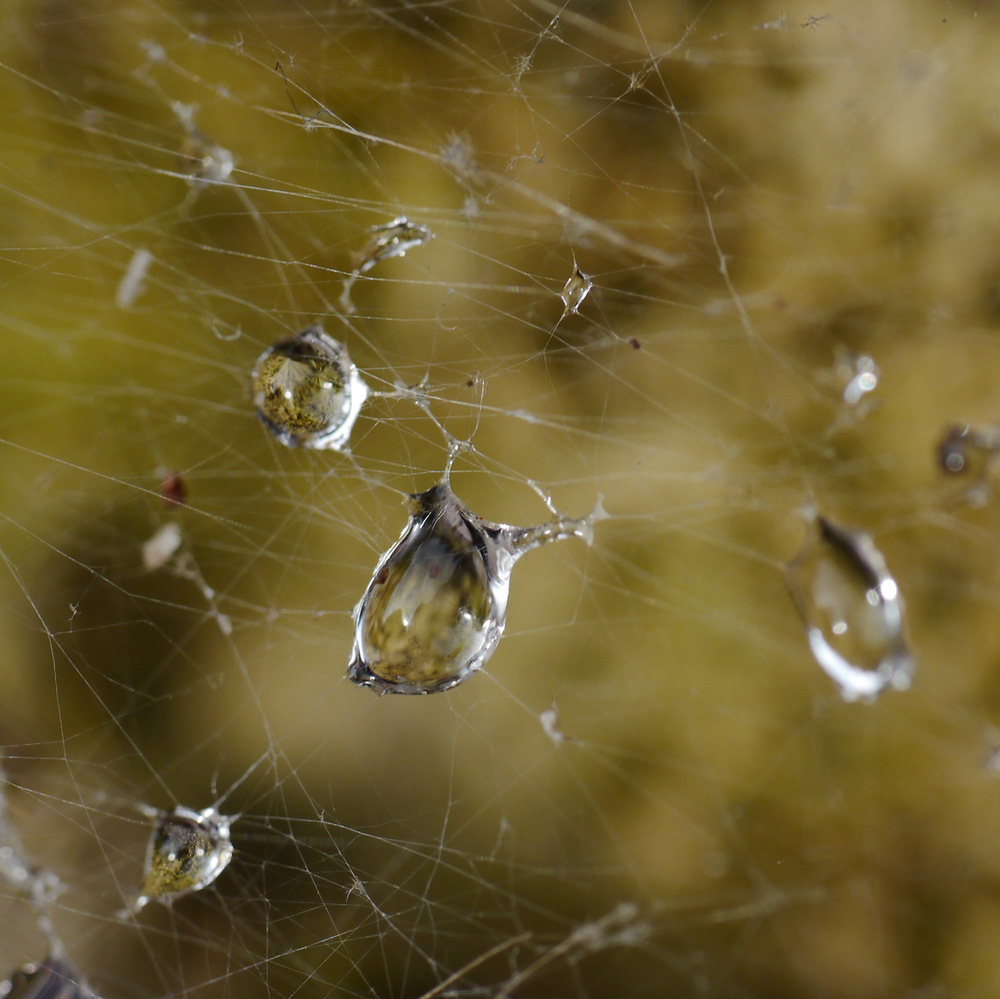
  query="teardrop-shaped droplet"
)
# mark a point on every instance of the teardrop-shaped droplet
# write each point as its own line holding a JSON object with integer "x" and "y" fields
{"x": 436, "y": 606}
{"x": 307, "y": 391}
{"x": 576, "y": 289}
{"x": 852, "y": 611}
{"x": 52, "y": 979}
{"x": 187, "y": 851}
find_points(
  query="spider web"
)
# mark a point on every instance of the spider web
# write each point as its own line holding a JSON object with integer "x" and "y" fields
{"x": 653, "y": 252}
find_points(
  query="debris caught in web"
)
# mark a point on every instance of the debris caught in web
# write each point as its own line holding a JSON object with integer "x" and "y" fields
{"x": 158, "y": 550}
{"x": 549, "y": 720}
{"x": 134, "y": 279}
{"x": 172, "y": 489}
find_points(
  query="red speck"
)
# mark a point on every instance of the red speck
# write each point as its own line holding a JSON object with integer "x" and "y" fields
{"x": 434, "y": 570}
{"x": 633, "y": 342}
{"x": 173, "y": 490}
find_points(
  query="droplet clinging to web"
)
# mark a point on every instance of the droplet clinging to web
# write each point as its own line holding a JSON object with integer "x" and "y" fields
{"x": 394, "y": 239}
{"x": 205, "y": 162}
{"x": 859, "y": 374}
{"x": 852, "y": 610}
{"x": 187, "y": 851}
{"x": 972, "y": 452}
{"x": 307, "y": 391}
{"x": 576, "y": 289}
{"x": 51, "y": 979}
{"x": 437, "y": 604}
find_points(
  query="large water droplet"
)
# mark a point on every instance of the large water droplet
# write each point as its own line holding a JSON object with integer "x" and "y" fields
{"x": 307, "y": 391}
{"x": 852, "y": 611}
{"x": 436, "y": 606}
{"x": 187, "y": 851}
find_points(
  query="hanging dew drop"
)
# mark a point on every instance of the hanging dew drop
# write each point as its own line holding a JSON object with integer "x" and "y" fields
{"x": 307, "y": 391}
{"x": 852, "y": 610}
{"x": 187, "y": 851}
{"x": 436, "y": 605}
{"x": 576, "y": 289}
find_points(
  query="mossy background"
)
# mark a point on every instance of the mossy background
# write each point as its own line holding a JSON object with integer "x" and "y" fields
{"x": 756, "y": 189}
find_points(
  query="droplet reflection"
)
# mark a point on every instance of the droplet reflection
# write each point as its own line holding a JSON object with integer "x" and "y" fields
{"x": 187, "y": 851}
{"x": 852, "y": 611}
{"x": 436, "y": 605}
{"x": 307, "y": 391}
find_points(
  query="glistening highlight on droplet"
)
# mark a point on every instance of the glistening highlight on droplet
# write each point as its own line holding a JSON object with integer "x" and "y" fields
{"x": 852, "y": 610}
{"x": 436, "y": 605}
{"x": 187, "y": 851}
{"x": 307, "y": 391}
{"x": 576, "y": 289}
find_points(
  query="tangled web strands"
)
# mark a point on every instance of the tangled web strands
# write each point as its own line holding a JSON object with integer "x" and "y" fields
{"x": 316, "y": 318}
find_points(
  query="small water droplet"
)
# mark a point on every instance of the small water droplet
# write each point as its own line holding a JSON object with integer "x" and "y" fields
{"x": 437, "y": 602}
{"x": 187, "y": 851}
{"x": 858, "y": 373}
{"x": 852, "y": 610}
{"x": 973, "y": 452}
{"x": 52, "y": 979}
{"x": 307, "y": 391}
{"x": 576, "y": 289}
{"x": 969, "y": 450}
{"x": 205, "y": 162}
{"x": 394, "y": 239}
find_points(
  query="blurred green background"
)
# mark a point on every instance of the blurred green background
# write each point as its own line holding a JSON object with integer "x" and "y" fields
{"x": 761, "y": 193}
